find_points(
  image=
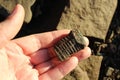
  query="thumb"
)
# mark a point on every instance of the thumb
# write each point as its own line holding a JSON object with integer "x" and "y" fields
{"x": 11, "y": 26}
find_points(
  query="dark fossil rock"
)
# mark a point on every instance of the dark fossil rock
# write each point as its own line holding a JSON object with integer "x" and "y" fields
{"x": 69, "y": 45}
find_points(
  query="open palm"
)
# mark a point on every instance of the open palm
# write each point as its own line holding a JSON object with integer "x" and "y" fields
{"x": 28, "y": 58}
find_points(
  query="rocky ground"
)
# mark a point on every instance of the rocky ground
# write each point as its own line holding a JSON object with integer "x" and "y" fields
{"x": 96, "y": 19}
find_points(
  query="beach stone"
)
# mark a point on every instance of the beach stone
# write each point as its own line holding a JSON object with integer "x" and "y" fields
{"x": 9, "y": 5}
{"x": 91, "y": 17}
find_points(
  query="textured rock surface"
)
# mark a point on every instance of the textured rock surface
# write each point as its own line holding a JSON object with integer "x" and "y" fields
{"x": 77, "y": 74}
{"x": 9, "y": 5}
{"x": 86, "y": 70}
{"x": 92, "y": 17}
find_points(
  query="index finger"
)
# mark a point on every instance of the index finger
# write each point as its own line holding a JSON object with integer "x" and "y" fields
{"x": 32, "y": 43}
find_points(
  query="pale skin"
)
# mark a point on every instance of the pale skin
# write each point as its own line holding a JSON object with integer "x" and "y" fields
{"x": 27, "y": 58}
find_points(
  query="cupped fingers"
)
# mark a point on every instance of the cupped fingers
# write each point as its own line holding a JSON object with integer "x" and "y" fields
{"x": 60, "y": 70}
{"x": 40, "y": 56}
{"x": 45, "y": 66}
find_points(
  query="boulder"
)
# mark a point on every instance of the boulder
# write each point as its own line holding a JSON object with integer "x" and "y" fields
{"x": 77, "y": 74}
{"x": 91, "y": 17}
{"x": 88, "y": 69}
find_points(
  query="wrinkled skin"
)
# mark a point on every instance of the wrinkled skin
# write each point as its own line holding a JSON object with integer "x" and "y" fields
{"x": 27, "y": 58}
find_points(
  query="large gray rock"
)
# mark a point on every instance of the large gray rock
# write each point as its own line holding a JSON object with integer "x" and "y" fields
{"x": 91, "y": 17}
{"x": 92, "y": 66}
{"x": 77, "y": 74}
{"x": 88, "y": 69}
{"x": 10, "y": 4}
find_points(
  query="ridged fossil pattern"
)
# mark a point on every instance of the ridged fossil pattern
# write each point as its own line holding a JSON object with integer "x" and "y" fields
{"x": 69, "y": 45}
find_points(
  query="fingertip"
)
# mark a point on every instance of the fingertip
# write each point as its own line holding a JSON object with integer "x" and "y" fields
{"x": 61, "y": 70}
{"x": 16, "y": 18}
{"x": 86, "y": 52}
{"x": 18, "y": 9}
{"x": 83, "y": 54}
{"x": 13, "y": 23}
{"x": 22, "y": 8}
{"x": 74, "y": 60}
{"x": 86, "y": 41}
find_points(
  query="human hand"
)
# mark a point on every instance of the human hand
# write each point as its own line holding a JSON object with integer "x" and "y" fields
{"x": 27, "y": 58}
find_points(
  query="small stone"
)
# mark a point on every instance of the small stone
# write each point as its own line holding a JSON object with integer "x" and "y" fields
{"x": 69, "y": 45}
{"x": 109, "y": 71}
{"x": 117, "y": 30}
{"x": 118, "y": 75}
{"x": 109, "y": 78}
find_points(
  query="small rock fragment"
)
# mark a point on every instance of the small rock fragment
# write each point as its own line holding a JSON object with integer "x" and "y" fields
{"x": 110, "y": 71}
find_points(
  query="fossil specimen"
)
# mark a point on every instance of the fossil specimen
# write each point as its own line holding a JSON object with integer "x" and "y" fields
{"x": 69, "y": 45}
